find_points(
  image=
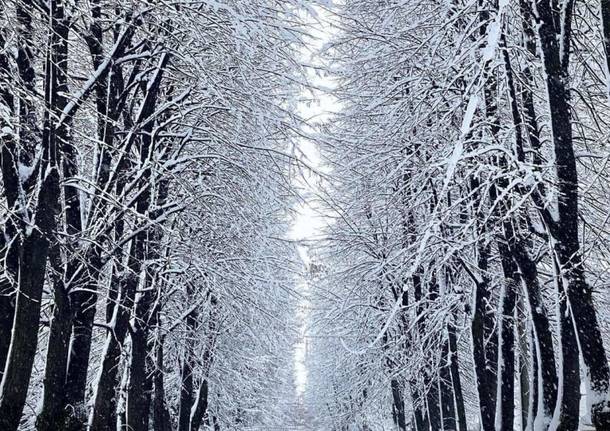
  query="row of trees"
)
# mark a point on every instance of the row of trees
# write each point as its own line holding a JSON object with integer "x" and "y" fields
{"x": 466, "y": 265}
{"x": 144, "y": 149}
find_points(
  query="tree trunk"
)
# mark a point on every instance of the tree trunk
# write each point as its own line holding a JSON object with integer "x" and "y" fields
{"x": 51, "y": 417}
{"x": 186, "y": 391}
{"x": 105, "y": 405}
{"x": 446, "y": 390}
{"x": 569, "y": 380}
{"x": 54, "y": 408}
{"x": 140, "y": 387}
{"x": 200, "y": 412}
{"x": 456, "y": 379}
{"x": 481, "y": 324}
{"x": 431, "y": 375}
{"x": 398, "y": 405}
{"x": 18, "y": 369}
{"x": 565, "y": 232}
{"x": 434, "y": 404}
{"x": 161, "y": 417}
{"x": 83, "y": 300}
{"x": 506, "y": 340}
{"x": 140, "y": 383}
{"x": 542, "y": 332}
{"x": 34, "y": 247}
{"x": 535, "y": 382}
{"x": 524, "y": 362}
{"x": 419, "y": 400}
{"x": 569, "y": 363}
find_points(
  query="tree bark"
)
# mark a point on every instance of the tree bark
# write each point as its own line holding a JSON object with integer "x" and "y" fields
{"x": 186, "y": 392}
{"x": 431, "y": 376}
{"x": 481, "y": 327}
{"x": 446, "y": 390}
{"x": 34, "y": 245}
{"x": 399, "y": 405}
{"x": 524, "y": 362}
{"x": 456, "y": 379}
{"x": 161, "y": 417}
{"x": 433, "y": 402}
{"x": 565, "y": 230}
{"x": 542, "y": 331}
{"x": 419, "y": 400}
{"x": 52, "y": 415}
{"x": 535, "y": 381}
{"x": 104, "y": 414}
{"x": 506, "y": 339}
{"x": 140, "y": 383}
{"x": 200, "y": 411}
{"x": 569, "y": 366}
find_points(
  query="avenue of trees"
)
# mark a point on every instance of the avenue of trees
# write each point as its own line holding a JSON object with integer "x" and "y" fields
{"x": 153, "y": 161}
{"x": 145, "y": 282}
{"x": 463, "y": 279}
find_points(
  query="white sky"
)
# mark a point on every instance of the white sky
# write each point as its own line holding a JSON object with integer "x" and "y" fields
{"x": 308, "y": 223}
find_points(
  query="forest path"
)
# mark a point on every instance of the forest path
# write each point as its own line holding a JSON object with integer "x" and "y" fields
{"x": 309, "y": 223}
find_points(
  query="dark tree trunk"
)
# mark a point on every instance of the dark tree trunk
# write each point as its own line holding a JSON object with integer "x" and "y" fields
{"x": 399, "y": 405}
{"x": 419, "y": 400}
{"x": 535, "y": 386}
{"x": 565, "y": 232}
{"x": 419, "y": 414}
{"x": 569, "y": 378}
{"x": 7, "y": 291}
{"x": 105, "y": 407}
{"x": 32, "y": 264}
{"x": 420, "y": 420}
{"x": 83, "y": 300}
{"x": 506, "y": 338}
{"x": 142, "y": 371}
{"x": 491, "y": 351}
{"x": 186, "y": 377}
{"x": 161, "y": 417}
{"x": 34, "y": 245}
{"x": 431, "y": 374}
{"x": 140, "y": 383}
{"x": 456, "y": 379}
{"x": 524, "y": 362}
{"x": 446, "y": 390}
{"x": 51, "y": 417}
{"x": 13, "y": 152}
{"x": 139, "y": 390}
{"x": 408, "y": 235}
{"x": 569, "y": 416}
{"x": 542, "y": 331}
{"x": 434, "y": 404}
{"x": 481, "y": 323}
{"x": 200, "y": 412}
{"x": 398, "y": 401}
{"x": 54, "y": 408}
{"x": 186, "y": 392}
